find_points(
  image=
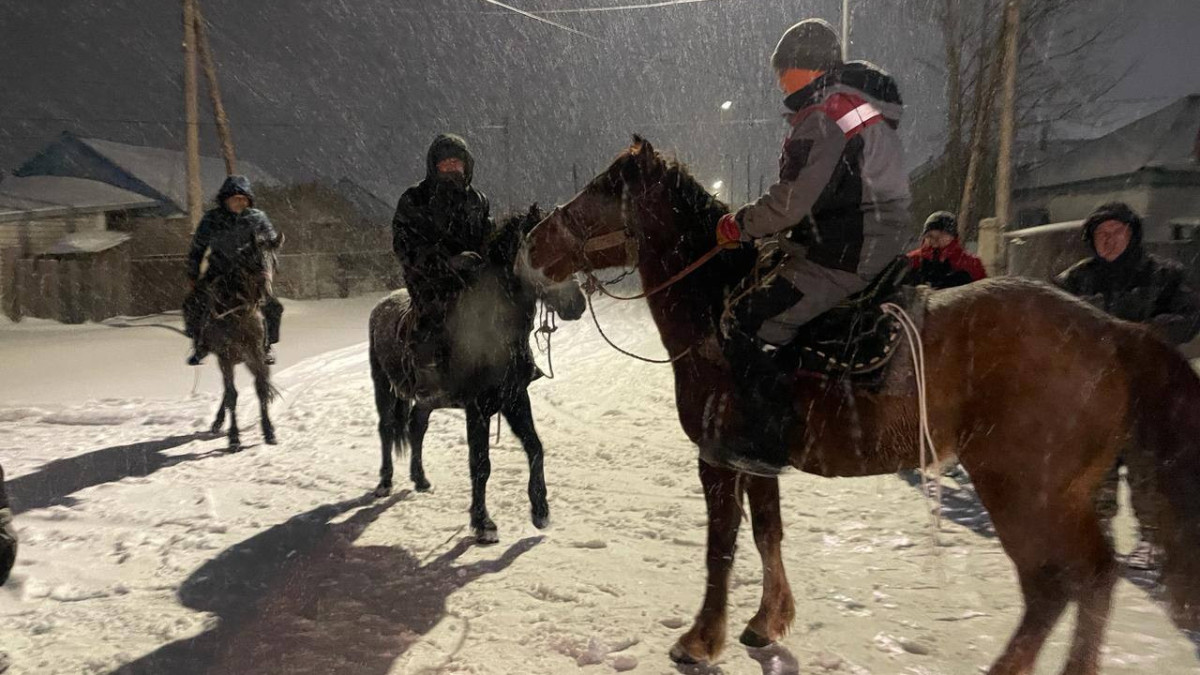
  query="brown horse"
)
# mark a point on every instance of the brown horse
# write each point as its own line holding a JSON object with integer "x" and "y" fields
{"x": 232, "y": 328}
{"x": 1034, "y": 392}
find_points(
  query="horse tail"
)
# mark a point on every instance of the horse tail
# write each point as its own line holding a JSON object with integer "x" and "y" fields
{"x": 1164, "y": 465}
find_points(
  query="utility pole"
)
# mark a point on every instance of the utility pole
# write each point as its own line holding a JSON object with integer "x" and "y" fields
{"x": 214, "y": 92}
{"x": 575, "y": 177}
{"x": 1012, "y": 39}
{"x": 749, "y": 197}
{"x": 845, "y": 30}
{"x": 731, "y": 175}
{"x": 192, "y": 109}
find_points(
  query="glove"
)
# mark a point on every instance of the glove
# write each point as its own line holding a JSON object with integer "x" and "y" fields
{"x": 467, "y": 261}
{"x": 729, "y": 232}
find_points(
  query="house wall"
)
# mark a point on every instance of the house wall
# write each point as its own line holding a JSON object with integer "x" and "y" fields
{"x": 34, "y": 236}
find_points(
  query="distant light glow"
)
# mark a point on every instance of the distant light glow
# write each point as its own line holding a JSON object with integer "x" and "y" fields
{"x": 718, "y": 185}
{"x": 726, "y": 105}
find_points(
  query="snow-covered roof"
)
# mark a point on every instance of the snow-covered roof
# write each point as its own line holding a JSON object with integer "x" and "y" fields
{"x": 52, "y": 196}
{"x": 157, "y": 173}
{"x": 88, "y": 242}
{"x": 1168, "y": 139}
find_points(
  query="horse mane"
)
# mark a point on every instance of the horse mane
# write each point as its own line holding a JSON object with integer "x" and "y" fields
{"x": 697, "y": 210}
{"x": 510, "y": 235}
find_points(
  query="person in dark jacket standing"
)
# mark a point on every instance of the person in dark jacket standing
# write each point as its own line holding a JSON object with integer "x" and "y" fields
{"x": 222, "y": 231}
{"x": 838, "y": 214}
{"x": 942, "y": 262}
{"x": 439, "y": 233}
{"x": 1130, "y": 284}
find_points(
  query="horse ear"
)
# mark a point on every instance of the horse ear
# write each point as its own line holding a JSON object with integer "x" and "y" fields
{"x": 641, "y": 147}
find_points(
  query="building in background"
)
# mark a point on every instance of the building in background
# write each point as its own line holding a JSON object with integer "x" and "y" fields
{"x": 1152, "y": 164}
{"x": 88, "y": 216}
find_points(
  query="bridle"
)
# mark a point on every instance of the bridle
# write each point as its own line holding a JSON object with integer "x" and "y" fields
{"x": 628, "y": 238}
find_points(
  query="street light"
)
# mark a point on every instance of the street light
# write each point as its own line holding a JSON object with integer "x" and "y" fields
{"x": 726, "y": 105}
{"x": 717, "y": 185}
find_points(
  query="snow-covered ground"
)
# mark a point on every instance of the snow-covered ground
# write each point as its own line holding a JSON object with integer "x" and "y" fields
{"x": 147, "y": 549}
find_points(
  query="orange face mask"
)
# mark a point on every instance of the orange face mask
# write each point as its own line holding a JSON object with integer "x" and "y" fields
{"x": 793, "y": 80}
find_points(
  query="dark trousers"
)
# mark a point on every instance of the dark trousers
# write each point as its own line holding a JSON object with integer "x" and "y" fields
{"x": 197, "y": 308}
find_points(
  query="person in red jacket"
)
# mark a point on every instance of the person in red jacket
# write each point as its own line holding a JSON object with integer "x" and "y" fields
{"x": 942, "y": 262}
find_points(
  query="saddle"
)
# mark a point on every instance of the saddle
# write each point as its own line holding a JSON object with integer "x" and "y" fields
{"x": 855, "y": 339}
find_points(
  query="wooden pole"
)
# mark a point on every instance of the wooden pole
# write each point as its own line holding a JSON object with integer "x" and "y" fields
{"x": 985, "y": 92}
{"x": 192, "y": 108}
{"x": 1008, "y": 116}
{"x": 224, "y": 133}
{"x": 845, "y": 30}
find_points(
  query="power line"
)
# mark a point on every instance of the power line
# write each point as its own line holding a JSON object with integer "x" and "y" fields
{"x": 541, "y": 19}
{"x": 622, "y": 8}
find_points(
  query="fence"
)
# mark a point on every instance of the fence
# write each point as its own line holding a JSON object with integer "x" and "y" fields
{"x": 96, "y": 287}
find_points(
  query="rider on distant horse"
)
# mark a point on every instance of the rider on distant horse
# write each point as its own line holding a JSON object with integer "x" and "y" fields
{"x": 224, "y": 232}
{"x": 440, "y": 232}
{"x": 839, "y": 215}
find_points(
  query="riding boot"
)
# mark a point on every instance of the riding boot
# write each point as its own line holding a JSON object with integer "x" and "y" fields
{"x": 272, "y": 318}
{"x": 764, "y": 393}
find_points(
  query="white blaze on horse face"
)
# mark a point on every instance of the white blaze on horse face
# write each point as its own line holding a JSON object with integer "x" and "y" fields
{"x": 563, "y": 296}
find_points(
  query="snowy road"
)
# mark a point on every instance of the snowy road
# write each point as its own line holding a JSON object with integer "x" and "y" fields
{"x": 146, "y": 549}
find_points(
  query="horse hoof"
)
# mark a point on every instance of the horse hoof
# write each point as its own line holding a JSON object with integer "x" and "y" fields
{"x": 215, "y": 429}
{"x": 422, "y": 485}
{"x": 541, "y": 522}
{"x": 382, "y": 491}
{"x": 486, "y": 536}
{"x": 752, "y": 639}
{"x": 270, "y": 439}
{"x": 681, "y": 656}
{"x": 234, "y": 447}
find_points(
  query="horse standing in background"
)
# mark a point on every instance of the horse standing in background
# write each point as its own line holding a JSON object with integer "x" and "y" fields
{"x": 488, "y": 372}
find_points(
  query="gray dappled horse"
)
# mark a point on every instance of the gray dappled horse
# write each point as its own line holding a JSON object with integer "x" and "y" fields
{"x": 489, "y": 369}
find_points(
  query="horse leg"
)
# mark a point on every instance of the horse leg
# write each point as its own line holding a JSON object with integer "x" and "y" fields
{"x": 230, "y": 404}
{"x": 706, "y": 638}
{"x": 417, "y": 426}
{"x": 262, "y": 388}
{"x": 1027, "y": 527}
{"x": 777, "y": 609}
{"x": 219, "y": 423}
{"x": 519, "y": 414}
{"x": 481, "y": 469}
{"x": 385, "y": 407}
{"x": 1094, "y": 575}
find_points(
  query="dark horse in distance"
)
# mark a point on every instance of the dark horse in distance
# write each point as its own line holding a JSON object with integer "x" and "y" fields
{"x": 1033, "y": 391}
{"x": 233, "y": 329}
{"x": 489, "y": 369}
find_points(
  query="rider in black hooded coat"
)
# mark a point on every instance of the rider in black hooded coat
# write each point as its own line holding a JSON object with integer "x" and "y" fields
{"x": 439, "y": 233}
